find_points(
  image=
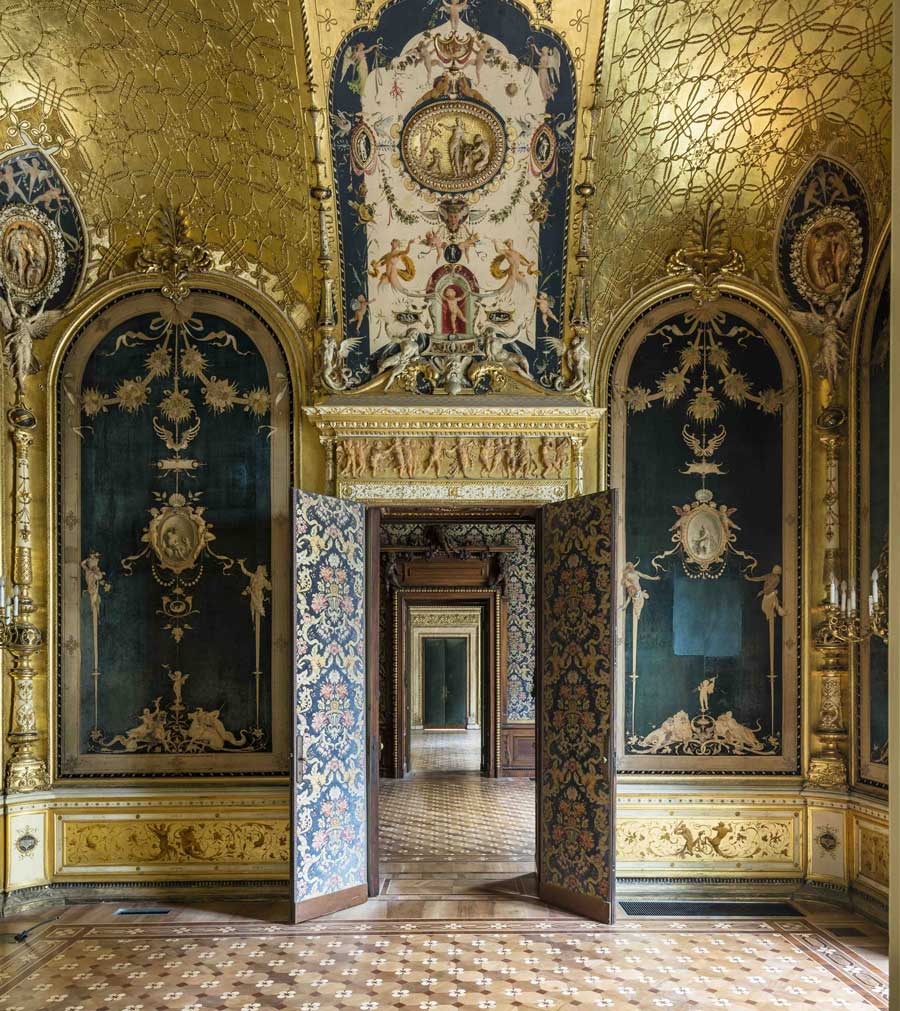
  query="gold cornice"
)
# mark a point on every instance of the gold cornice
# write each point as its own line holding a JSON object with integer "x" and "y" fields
{"x": 469, "y": 419}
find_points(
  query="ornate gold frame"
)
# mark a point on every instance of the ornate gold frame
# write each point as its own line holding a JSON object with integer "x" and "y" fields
{"x": 634, "y": 320}
{"x": 438, "y": 621}
{"x": 402, "y": 646}
{"x": 254, "y": 305}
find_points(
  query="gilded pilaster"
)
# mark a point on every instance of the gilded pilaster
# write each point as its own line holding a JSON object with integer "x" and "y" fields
{"x": 828, "y": 762}
{"x": 26, "y": 770}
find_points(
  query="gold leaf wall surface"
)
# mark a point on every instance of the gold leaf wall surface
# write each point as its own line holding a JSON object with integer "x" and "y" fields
{"x": 725, "y": 101}
{"x": 193, "y": 102}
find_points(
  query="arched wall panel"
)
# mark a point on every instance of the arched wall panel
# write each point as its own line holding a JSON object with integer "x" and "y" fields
{"x": 174, "y": 429}
{"x": 705, "y": 448}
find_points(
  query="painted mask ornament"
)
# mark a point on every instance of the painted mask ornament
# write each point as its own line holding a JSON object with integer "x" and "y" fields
{"x": 451, "y": 133}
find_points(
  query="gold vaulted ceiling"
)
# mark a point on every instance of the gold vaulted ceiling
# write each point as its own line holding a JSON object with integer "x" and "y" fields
{"x": 204, "y": 102}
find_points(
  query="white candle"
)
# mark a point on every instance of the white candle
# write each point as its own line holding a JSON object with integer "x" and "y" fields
{"x": 853, "y": 598}
{"x": 875, "y": 585}
{"x": 833, "y": 592}
{"x": 844, "y": 595}
{"x": 2, "y": 593}
{"x": 871, "y": 605}
{"x": 15, "y": 602}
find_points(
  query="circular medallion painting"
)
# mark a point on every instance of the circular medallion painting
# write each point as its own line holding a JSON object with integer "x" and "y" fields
{"x": 453, "y": 146}
{"x": 827, "y": 255}
{"x": 32, "y": 254}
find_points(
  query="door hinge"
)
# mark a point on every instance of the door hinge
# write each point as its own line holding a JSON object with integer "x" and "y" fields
{"x": 298, "y": 757}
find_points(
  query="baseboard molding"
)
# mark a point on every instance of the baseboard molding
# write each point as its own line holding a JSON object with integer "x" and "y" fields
{"x": 71, "y": 893}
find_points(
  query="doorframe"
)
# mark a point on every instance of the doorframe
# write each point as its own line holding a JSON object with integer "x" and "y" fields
{"x": 421, "y": 630}
{"x": 404, "y": 600}
{"x": 373, "y": 663}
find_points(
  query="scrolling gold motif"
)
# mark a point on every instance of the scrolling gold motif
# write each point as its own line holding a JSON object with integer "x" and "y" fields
{"x": 874, "y": 854}
{"x": 703, "y": 839}
{"x": 105, "y": 843}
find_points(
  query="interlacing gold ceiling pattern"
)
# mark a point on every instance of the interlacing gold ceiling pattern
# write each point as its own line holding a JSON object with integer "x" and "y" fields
{"x": 193, "y": 102}
{"x": 725, "y": 102}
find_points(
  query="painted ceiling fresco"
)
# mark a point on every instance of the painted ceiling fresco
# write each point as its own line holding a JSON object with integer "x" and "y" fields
{"x": 451, "y": 127}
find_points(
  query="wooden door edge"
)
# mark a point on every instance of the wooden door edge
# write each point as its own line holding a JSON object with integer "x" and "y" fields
{"x": 309, "y": 909}
{"x": 590, "y": 906}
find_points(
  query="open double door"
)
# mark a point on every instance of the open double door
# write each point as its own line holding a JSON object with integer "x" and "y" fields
{"x": 334, "y": 778}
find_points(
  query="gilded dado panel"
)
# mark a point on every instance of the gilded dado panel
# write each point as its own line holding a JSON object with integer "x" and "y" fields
{"x": 706, "y": 403}
{"x": 174, "y": 466}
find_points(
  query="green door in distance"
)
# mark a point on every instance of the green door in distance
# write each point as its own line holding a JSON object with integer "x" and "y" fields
{"x": 444, "y": 682}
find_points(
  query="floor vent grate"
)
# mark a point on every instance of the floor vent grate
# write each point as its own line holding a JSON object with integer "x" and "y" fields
{"x": 726, "y": 910}
{"x": 142, "y": 912}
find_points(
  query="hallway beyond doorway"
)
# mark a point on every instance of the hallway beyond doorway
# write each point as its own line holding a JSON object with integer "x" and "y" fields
{"x": 445, "y": 751}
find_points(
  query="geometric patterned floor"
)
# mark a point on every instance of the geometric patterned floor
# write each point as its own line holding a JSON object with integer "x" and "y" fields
{"x": 335, "y": 964}
{"x": 456, "y": 925}
{"x": 457, "y": 818}
{"x": 445, "y": 750}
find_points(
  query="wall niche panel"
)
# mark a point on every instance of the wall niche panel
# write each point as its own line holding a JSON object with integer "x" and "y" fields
{"x": 872, "y": 370}
{"x": 173, "y": 574}
{"x": 705, "y": 450}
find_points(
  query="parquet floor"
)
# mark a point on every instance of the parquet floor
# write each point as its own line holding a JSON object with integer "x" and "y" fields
{"x": 456, "y": 925}
{"x": 445, "y": 750}
{"x": 192, "y": 962}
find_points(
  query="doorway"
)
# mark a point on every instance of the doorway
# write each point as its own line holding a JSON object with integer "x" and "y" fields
{"x": 445, "y": 675}
{"x": 344, "y": 637}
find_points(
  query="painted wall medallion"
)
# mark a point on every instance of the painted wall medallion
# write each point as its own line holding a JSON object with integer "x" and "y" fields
{"x": 453, "y": 146}
{"x": 452, "y": 134}
{"x": 26, "y": 843}
{"x": 826, "y": 256}
{"x": 42, "y": 237}
{"x": 32, "y": 255}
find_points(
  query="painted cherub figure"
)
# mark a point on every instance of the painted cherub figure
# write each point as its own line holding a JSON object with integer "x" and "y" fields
{"x": 706, "y": 687}
{"x": 771, "y": 581}
{"x": 635, "y": 594}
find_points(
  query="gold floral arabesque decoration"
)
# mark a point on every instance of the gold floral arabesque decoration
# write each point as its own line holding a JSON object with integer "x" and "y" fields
{"x": 874, "y": 854}
{"x": 705, "y": 839}
{"x": 178, "y": 537}
{"x": 707, "y": 255}
{"x": 108, "y": 842}
{"x": 704, "y": 533}
{"x": 177, "y": 729}
{"x": 172, "y": 252}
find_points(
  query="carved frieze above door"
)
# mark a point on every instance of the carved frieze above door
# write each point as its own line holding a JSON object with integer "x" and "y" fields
{"x": 508, "y": 453}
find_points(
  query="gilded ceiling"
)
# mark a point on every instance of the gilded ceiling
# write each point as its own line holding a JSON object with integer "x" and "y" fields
{"x": 193, "y": 102}
{"x": 725, "y": 101}
{"x": 207, "y": 103}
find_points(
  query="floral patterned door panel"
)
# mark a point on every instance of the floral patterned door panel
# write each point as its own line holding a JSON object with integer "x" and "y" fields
{"x": 328, "y": 788}
{"x": 576, "y": 862}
